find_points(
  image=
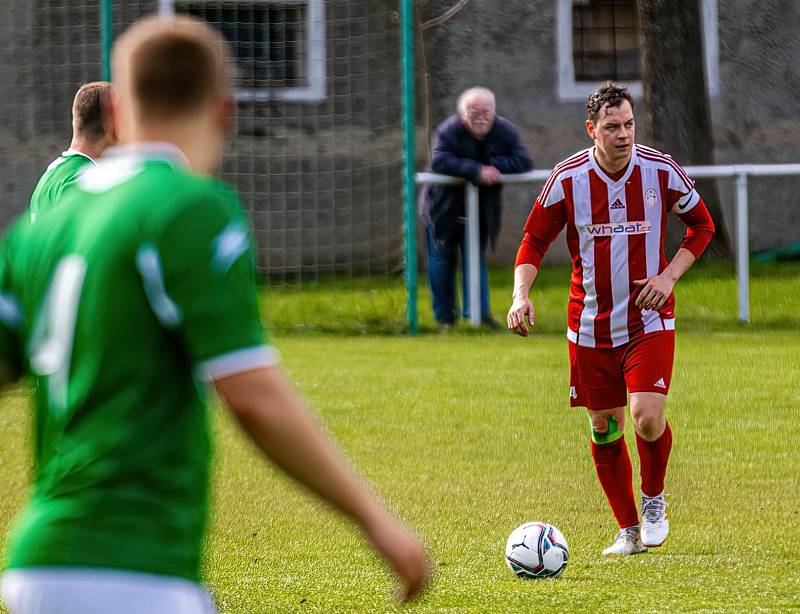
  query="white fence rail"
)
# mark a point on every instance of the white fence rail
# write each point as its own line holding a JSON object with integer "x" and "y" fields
{"x": 740, "y": 172}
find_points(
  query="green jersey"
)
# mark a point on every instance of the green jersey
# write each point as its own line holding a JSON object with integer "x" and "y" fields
{"x": 62, "y": 174}
{"x": 119, "y": 303}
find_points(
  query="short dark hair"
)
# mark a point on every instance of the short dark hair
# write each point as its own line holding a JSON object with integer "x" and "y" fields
{"x": 609, "y": 93}
{"x": 171, "y": 67}
{"x": 90, "y": 110}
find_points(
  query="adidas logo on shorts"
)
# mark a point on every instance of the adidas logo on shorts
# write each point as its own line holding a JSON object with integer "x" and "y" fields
{"x": 660, "y": 383}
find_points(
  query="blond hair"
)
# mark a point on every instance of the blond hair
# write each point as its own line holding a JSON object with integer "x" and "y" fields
{"x": 171, "y": 67}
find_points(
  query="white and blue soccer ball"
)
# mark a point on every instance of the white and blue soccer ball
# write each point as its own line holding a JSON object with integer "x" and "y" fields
{"x": 537, "y": 550}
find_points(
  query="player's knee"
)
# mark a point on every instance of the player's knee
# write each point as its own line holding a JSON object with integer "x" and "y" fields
{"x": 647, "y": 410}
{"x": 649, "y": 425}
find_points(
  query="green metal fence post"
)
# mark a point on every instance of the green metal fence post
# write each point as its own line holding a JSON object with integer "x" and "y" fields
{"x": 106, "y": 36}
{"x": 409, "y": 160}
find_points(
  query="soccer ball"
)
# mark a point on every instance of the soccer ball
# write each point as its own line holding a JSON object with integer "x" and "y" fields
{"x": 536, "y": 550}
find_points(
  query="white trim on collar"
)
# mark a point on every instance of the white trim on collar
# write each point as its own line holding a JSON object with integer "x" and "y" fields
{"x": 75, "y": 152}
{"x": 604, "y": 176}
{"x": 150, "y": 150}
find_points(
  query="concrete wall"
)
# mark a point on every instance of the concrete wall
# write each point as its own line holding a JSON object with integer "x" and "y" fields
{"x": 322, "y": 181}
{"x": 48, "y": 48}
{"x": 757, "y": 115}
{"x": 510, "y": 47}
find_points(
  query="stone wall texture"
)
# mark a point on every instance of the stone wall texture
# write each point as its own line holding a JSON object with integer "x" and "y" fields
{"x": 322, "y": 180}
{"x": 510, "y": 47}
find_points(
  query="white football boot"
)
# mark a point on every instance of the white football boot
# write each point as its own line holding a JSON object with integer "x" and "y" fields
{"x": 655, "y": 526}
{"x": 627, "y": 541}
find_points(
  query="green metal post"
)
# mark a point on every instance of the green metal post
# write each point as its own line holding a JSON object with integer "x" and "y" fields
{"x": 409, "y": 160}
{"x": 106, "y": 36}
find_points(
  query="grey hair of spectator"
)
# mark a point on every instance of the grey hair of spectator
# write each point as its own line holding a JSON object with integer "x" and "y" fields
{"x": 468, "y": 95}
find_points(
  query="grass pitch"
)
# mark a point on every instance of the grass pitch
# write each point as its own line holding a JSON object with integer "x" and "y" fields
{"x": 468, "y": 435}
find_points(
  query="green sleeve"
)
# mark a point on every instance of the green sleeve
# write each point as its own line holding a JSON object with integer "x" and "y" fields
{"x": 68, "y": 183}
{"x": 207, "y": 291}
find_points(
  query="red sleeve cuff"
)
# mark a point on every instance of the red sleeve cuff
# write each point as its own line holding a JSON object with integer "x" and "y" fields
{"x": 543, "y": 226}
{"x": 699, "y": 229}
{"x": 528, "y": 253}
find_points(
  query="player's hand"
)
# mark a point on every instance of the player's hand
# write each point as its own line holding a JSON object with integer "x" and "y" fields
{"x": 655, "y": 292}
{"x": 403, "y": 552}
{"x": 490, "y": 175}
{"x": 520, "y": 308}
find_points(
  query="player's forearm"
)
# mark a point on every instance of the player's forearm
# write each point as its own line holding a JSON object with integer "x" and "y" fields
{"x": 524, "y": 276}
{"x": 278, "y": 421}
{"x": 679, "y": 265}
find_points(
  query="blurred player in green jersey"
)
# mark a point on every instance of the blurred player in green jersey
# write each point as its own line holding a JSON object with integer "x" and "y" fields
{"x": 92, "y": 132}
{"x": 120, "y": 302}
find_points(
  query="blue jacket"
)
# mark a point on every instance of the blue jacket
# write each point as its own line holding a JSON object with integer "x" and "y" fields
{"x": 458, "y": 153}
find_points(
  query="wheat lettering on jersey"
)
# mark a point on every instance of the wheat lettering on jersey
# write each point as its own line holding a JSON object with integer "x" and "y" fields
{"x": 621, "y": 228}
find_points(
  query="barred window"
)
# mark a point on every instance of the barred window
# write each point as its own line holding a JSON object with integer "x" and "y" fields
{"x": 279, "y": 46}
{"x": 605, "y": 40}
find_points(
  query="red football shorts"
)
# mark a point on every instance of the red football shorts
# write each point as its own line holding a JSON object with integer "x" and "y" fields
{"x": 601, "y": 378}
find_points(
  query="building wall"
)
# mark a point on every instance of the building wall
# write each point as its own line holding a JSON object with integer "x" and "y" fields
{"x": 322, "y": 181}
{"x": 757, "y": 116}
{"x": 48, "y": 48}
{"x": 510, "y": 47}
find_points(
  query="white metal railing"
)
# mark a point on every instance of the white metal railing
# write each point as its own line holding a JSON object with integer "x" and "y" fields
{"x": 740, "y": 172}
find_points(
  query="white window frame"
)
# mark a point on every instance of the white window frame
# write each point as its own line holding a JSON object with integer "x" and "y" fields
{"x": 571, "y": 90}
{"x": 316, "y": 60}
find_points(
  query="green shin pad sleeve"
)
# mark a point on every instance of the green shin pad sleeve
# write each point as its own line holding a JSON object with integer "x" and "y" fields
{"x": 611, "y": 435}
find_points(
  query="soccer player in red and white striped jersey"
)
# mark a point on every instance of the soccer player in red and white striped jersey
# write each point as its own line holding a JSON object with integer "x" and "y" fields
{"x": 614, "y": 199}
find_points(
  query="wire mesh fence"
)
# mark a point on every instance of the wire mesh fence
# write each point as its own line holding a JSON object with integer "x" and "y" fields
{"x": 316, "y": 156}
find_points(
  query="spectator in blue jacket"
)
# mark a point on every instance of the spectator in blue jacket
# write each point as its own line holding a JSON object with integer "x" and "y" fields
{"x": 479, "y": 146}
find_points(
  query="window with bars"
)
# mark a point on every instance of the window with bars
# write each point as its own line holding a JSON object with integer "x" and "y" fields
{"x": 278, "y": 46}
{"x": 605, "y": 40}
